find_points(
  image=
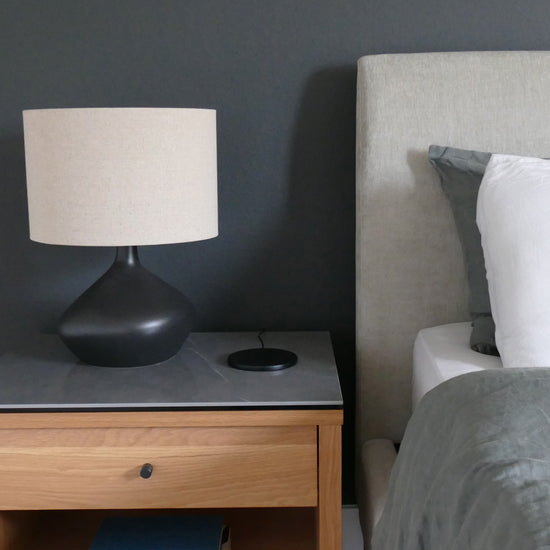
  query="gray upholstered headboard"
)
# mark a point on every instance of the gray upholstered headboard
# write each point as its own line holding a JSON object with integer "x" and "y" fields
{"x": 410, "y": 270}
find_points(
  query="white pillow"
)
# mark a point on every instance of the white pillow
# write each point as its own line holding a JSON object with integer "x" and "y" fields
{"x": 513, "y": 216}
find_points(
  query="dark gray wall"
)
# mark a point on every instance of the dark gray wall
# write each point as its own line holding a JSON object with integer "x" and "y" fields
{"x": 281, "y": 74}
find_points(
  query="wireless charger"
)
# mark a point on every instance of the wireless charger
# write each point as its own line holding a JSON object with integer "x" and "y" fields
{"x": 262, "y": 359}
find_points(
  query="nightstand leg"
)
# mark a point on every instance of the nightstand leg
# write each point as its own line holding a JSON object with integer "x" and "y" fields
{"x": 329, "y": 508}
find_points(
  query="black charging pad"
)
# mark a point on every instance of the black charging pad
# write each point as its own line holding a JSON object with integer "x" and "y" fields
{"x": 262, "y": 359}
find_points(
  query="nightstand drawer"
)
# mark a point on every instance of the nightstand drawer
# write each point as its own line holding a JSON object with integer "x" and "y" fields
{"x": 191, "y": 467}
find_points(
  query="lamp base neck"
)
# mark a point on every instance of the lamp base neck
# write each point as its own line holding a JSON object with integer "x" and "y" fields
{"x": 127, "y": 255}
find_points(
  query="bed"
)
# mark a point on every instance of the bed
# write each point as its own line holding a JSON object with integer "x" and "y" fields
{"x": 411, "y": 273}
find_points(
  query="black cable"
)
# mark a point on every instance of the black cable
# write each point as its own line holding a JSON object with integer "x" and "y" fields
{"x": 260, "y": 337}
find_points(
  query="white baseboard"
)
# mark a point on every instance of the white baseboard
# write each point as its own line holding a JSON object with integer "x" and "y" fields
{"x": 352, "y": 538}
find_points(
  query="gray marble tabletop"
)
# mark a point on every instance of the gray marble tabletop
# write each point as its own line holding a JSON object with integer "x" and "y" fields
{"x": 40, "y": 374}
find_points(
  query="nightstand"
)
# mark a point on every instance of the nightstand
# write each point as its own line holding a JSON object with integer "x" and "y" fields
{"x": 78, "y": 442}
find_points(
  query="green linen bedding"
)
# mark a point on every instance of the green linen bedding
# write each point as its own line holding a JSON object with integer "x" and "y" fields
{"x": 473, "y": 470}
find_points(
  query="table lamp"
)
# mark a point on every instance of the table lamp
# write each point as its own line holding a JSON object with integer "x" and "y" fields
{"x": 122, "y": 177}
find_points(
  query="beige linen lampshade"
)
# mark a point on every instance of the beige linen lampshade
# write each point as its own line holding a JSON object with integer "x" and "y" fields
{"x": 121, "y": 176}
{"x": 124, "y": 178}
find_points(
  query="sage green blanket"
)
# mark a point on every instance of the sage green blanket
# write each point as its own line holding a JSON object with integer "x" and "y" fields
{"x": 473, "y": 470}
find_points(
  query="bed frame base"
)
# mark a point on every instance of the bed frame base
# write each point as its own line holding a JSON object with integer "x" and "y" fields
{"x": 377, "y": 458}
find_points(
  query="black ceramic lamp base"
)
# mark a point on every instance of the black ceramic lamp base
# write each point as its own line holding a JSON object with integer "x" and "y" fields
{"x": 129, "y": 317}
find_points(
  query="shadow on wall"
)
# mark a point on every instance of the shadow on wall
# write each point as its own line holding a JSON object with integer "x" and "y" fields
{"x": 301, "y": 273}
{"x": 322, "y": 176}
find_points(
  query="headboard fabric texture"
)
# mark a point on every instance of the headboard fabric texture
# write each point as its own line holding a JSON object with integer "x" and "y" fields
{"x": 410, "y": 270}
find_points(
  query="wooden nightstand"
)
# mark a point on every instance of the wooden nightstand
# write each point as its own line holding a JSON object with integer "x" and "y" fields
{"x": 79, "y": 442}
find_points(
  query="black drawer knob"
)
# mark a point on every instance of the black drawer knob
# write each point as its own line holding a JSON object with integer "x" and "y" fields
{"x": 146, "y": 471}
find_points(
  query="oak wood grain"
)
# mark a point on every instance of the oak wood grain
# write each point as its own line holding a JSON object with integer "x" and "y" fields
{"x": 192, "y": 467}
{"x": 290, "y": 417}
{"x": 329, "y": 509}
{"x": 79, "y": 467}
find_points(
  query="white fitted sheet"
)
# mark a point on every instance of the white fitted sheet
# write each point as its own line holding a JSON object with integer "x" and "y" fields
{"x": 442, "y": 352}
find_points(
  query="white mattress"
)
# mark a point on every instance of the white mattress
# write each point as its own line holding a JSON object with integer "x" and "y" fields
{"x": 443, "y": 352}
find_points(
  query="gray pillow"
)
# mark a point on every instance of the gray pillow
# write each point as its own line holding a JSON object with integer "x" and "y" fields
{"x": 460, "y": 173}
